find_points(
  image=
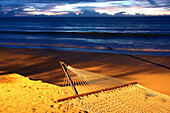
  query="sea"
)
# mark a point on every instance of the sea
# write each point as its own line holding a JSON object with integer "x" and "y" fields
{"x": 119, "y": 35}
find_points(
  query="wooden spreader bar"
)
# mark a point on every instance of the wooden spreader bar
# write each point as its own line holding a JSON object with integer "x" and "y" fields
{"x": 115, "y": 87}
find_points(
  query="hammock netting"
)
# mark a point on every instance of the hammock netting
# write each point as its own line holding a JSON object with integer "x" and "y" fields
{"x": 103, "y": 94}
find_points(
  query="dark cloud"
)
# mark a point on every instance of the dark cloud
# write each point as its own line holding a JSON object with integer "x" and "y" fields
{"x": 51, "y": 1}
{"x": 157, "y": 6}
{"x": 38, "y": 4}
{"x": 92, "y": 13}
{"x": 14, "y": 5}
{"x": 0, "y": 8}
{"x": 87, "y": 13}
{"x": 1, "y": 11}
{"x": 70, "y": 14}
{"x": 109, "y": 0}
{"x": 120, "y": 14}
{"x": 10, "y": 13}
{"x": 11, "y": 5}
{"x": 1, "y": 14}
{"x": 152, "y": 2}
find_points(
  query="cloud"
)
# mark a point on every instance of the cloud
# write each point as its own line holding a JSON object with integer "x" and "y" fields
{"x": 124, "y": 14}
{"x": 8, "y": 14}
{"x": 93, "y": 13}
{"x": 86, "y": 13}
{"x": 120, "y": 13}
{"x": 11, "y": 13}
{"x": 152, "y": 2}
{"x": 90, "y": 12}
{"x": 84, "y": 7}
{"x": 50, "y": 1}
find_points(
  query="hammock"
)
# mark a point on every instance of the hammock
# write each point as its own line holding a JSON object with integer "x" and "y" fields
{"x": 98, "y": 93}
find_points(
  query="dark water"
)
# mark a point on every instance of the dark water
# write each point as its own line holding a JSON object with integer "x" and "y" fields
{"x": 127, "y": 35}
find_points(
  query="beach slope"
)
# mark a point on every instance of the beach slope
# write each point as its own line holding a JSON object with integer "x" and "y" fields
{"x": 152, "y": 72}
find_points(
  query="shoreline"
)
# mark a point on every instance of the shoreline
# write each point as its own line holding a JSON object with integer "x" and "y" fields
{"x": 42, "y": 64}
{"x": 86, "y": 47}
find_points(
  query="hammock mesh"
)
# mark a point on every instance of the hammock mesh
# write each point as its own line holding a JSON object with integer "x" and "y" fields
{"x": 131, "y": 98}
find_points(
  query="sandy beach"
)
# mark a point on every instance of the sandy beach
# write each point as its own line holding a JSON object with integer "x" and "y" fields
{"x": 152, "y": 72}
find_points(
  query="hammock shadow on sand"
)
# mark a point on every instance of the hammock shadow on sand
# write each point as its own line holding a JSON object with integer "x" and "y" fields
{"x": 160, "y": 65}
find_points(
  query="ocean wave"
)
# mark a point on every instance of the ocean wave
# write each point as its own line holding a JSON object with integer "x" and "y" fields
{"x": 86, "y": 33}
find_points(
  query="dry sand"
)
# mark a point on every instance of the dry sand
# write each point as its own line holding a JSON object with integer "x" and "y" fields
{"x": 18, "y": 94}
{"x": 150, "y": 71}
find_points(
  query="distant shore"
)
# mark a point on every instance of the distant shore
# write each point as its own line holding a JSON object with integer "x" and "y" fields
{"x": 42, "y": 64}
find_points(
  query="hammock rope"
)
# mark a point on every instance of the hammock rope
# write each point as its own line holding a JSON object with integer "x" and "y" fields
{"x": 103, "y": 94}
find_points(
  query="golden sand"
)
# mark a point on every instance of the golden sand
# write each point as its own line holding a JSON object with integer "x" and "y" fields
{"x": 19, "y": 94}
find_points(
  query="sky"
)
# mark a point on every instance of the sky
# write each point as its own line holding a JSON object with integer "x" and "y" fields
{"x": 84, "y": 8}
